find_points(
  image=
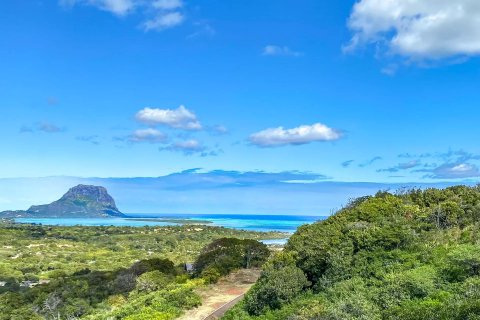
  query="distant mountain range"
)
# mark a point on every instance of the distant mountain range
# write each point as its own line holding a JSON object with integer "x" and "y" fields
{"x": 82, "y": 201}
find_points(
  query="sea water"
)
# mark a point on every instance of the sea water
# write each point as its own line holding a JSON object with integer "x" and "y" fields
{"x": 285, "y": 223}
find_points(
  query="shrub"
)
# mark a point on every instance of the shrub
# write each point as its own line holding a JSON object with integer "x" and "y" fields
{"x": 280, "y": 282}
{"x": 228, "y": 254}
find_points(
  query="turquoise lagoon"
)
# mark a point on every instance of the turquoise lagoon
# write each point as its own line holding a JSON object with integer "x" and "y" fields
{"x": 246, "y": 222}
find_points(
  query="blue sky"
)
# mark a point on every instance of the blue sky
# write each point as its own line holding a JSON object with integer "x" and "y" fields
{"x": 351, "y": 91}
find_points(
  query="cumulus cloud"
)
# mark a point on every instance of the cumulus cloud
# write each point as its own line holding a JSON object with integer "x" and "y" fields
{"x": 273, "y": 50}
{"x": 275, "y": 137}
{"x": 418, "y": 29}
{"x": 158, "y": 14}
{"x": 149, "y": 135}
{"x": 180, "y": 118}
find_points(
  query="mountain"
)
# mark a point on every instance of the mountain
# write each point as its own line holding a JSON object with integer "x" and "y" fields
{"x": 82, "y": 201}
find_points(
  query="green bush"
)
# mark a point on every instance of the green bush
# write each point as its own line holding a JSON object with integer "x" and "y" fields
{"x": 227, "y": 254}
{"x": 279, "y": 283}
{"x": 410, "y": 255}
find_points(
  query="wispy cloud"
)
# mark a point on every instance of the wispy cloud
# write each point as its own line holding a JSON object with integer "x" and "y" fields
{"x": 180, "y": 118}
{"x": 149, "y": 135}
{"x": 370, "y": 162}
{"x": 117, "y": 7}
{"x": 188, "y": 146}
{"x": 402, "y": 166}
{"x": 158, "y": 14}
{"x": 89, "y": 139}
{"x": 274, "y": 50}
{"x": 193, "y": 147}
{"x": 453, "y": 164}
{"x": 454, "y": 171}
{"x": 164, "y": 21}
{"x": 49, "y": 127}
{"x": 204, "y": 29}
{"x": 46, "y": 127}
{"x": 217, "y": 130}
{"x": 276, "y": 137}
{"x": 167, "y": 4}
{"x": 347, "y": 163}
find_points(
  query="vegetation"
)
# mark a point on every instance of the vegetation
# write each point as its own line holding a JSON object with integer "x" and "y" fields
{"x": 410, "y": 255}
{"x": 100, "y": 273}
{"x": 227, "y": 254}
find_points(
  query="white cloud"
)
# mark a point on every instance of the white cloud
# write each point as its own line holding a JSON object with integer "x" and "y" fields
{"x": 180, "y": 118}
{"x": 275, "y": 137}
{"x": 117, "y": 7}
{"x": 164, "y": 21}
{"x": 158, "y": 14}
{"x": 167, "y": 4}
{"x": 418, "y": 29}
{"x": 272, "y": 50}
{"x": 148, "y": 135}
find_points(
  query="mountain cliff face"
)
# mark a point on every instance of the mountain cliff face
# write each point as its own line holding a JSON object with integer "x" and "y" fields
{"x": 79, "y": 202}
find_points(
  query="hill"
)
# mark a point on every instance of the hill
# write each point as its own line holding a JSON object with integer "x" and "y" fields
{"x": 82, "y": 201}
{"x": 410, "y": 255}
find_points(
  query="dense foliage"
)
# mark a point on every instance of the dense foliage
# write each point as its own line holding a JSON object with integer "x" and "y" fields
{"x": 224, "y": 255}
{"x": 100, "y": 273}
{"x": 410, "y": 255}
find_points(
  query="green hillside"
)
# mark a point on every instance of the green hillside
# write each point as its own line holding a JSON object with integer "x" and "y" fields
{"x": 410, "y": 255}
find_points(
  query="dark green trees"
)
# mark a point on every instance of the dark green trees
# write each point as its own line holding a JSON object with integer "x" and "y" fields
{"x": 227, "y": 254}
{"x": 410, "y": 255}
{"x": 280, "y": 282}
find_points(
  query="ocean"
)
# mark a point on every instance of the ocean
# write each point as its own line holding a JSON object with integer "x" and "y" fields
{"x": 284, "y": 223}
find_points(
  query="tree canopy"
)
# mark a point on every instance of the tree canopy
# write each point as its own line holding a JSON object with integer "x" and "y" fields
{"x": 413, "y": 254}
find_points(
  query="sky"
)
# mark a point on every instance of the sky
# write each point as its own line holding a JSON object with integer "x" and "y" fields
{"x": 370, "y": 91}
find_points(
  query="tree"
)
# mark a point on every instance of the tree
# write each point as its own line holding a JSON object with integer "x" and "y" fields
{"x": 446, "y": 214}
{"x": 152, "y": 281}
{"x": 227, "y": 254}
{"x": 280, "y": 282}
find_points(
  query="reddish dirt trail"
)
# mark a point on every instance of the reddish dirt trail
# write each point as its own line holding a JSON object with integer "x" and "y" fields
{"x": 222, "y": 296}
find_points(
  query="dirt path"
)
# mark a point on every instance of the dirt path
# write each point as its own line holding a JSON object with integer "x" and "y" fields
{"x": 217, "y": 314}
{"x": 220, "y": 297}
